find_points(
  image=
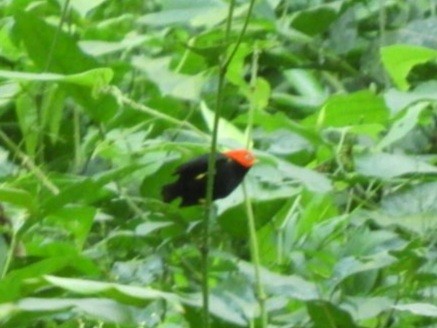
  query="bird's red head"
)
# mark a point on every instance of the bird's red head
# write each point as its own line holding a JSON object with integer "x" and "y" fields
{"x": 242, "y": 156}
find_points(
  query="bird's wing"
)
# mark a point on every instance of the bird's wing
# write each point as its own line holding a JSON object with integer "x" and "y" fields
{"x": 197, "y": 166}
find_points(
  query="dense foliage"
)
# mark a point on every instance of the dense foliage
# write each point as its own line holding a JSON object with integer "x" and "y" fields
{"x": 101, "y": 100}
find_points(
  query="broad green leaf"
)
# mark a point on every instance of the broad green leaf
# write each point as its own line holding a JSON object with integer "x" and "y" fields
{"x": 81, "y": 190}
{"x": 260, "y": 95}
{"x": 233, "y": 219}
{"x": 18, "y": 279}
{"x": 66, "y": 58}
{"x": 8, "y": 92}
{"x": 403, "y": 125}
{"x": 28, "y": 119}
{"x": 38, "y": 37}
{"x": 52, "y": 109}
{"x": 95, "y": 78}
{"x": 422, "y": 309}
{"x": 312, "y": 180}
{"x": 102, "y": 309}
{"x": 386, "y": 166}
{"x": 219, "y": 307}
{"x": 317, "y": 208}
{"x": 115, "y": 291}
{"x": 317, "y": 19}
{"x": 236, "y": 68}
{"x": 397, "y": 100}
{"x": 170, "y": 83}
{"x": 362, "y": 308}
{"x": 413, "y": 209}
{"x": 101, "y": 48}
{"x": 147, "y": 228}
{"x": 400, "y": 59}
{"x": 416, "y": 32}
{"x": 278, "y": 121}
{"x": 325, "y": 314}
{"x": 7, "y": 310}
{"x": 351, "y": 265}
{"x": 291, "y": 286}
{"x": 419, "y": 198}
{"x": 363, "y": 107}
{"x": 227, "y": 132}
{"x": 306, "y": 83}
{"x": 198, "y": 14}
{"x": 18, "y": 197}
{"x": 83, "y": 7}
{"x": 76, "y": 220}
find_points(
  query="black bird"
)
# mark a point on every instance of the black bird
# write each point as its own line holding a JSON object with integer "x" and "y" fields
{"x": 230, "y": 167}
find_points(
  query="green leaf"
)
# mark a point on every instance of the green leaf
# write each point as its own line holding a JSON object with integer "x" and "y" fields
{"x": 101, "y": 48}
{"x": 227, "y": 132}
{"x": 83, "y": 7}
{"x": 65, "y": 58}
{"x": 363, "y": 308}
{"x": 170, "y": 83}
{"x": 233, "y": 220}
{"x": 18, "y": 197}
{"x": 351, "y": 265}
{"x": 52, "y": 110}
{"x": 400, "y": 59}
{"x": 115, "y": 291}
{"x": 386, "y": 166}
{"x": 78, "y": 190}
{"x": 397, "y": 100}
{"x": 76, "y": 220}
{"x": 413, "y": 209}
{"x": 205, "y": 13}
{"x": 422, "y": 309}
{"x": 219, "y": 307}
{"x": 316, "y": 20}
{"x": 325, "y": 314}
{"x": 260, "y": 95}
{"x": 312, "y": 180}
{"x": 102, "y": 309}
{"x": 147, "y": 228}
{"x": 403, "y": 125}
{"x": 28, "y": 119}
{"x": 97, "y": 77}
{"x": 360, "y": 108}
{"x": 236, "y": 68}
{"x": 23, "y": 278}
{"x": 318, "y": 207}
{"x": 8, "y": 92}
{"x": 291, "y": 286}
{"x": 38, "y": 37}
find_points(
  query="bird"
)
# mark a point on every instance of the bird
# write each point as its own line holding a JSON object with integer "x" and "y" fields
{"x": 230, "y": 169}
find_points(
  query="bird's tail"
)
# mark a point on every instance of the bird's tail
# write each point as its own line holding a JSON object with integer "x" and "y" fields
{"x": 169, "y": 192}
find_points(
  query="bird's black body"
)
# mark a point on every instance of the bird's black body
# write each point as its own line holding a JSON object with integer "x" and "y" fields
{"x": 191, "y": 185}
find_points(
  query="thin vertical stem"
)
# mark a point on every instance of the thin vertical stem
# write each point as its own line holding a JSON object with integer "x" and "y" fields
{"x": 29, "y": 164}
{"x": 254, "y": 247}
{"x": 55, "y": 39}
{"x": 254, "y": 250}
{"x": 77, "y": 151}
{"x": 209, "y": 210}
{"x": 382, "y": 20}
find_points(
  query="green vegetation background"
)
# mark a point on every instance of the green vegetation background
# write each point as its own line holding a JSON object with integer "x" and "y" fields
{"x": 101, "y": 100}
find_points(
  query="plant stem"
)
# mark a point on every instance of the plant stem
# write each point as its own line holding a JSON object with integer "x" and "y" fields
{"x": 209, "y": 210}
{"x": 254, "y": 250}
{"x": 122, "y": 99}
{"x": 254, "y": 247}
{"x": 29, "y": 164}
